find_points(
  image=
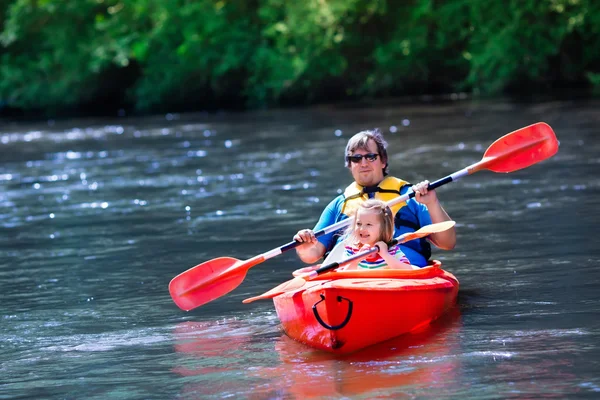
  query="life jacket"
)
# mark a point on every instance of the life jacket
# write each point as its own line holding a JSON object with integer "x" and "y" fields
{"x": 388, "y": 189}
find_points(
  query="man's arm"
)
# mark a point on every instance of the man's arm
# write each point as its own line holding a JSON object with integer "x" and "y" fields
{"x": 444, "y": 240}
{"x": 312, "y": 248}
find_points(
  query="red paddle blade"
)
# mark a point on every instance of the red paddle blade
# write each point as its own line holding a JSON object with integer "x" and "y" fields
{"x": 206, "y": 282}
{"x": 521, "y": 148}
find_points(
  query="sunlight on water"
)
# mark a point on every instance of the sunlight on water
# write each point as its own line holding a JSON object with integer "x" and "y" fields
{"x": 97, "y": 216}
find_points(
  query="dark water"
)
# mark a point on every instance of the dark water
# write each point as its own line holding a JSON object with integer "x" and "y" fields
{"x": 97, "y": 216}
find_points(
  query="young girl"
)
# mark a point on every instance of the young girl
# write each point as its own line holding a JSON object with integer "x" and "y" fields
{"x": 374, "y": 225}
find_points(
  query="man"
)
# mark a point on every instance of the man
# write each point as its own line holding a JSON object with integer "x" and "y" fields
{"x": 366, "y": 157}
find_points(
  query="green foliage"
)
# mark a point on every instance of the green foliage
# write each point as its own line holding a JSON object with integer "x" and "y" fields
{"x": 156, "y": 54}
{"x": 303, "y": 45}
{"x": 419, "y": 49}
{"x": 191, "y": 49}
{"x": 519, "y": 41}
{"x": 36, "y": 65}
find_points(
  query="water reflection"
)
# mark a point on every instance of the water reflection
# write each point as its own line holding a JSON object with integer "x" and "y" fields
{"x": 276, "y": 366}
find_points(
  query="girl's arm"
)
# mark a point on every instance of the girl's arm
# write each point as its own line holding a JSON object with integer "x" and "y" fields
{"x": 392, "y": 261}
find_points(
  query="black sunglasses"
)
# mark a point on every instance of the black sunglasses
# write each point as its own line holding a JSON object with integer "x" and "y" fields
{"x": 358, "y": 157}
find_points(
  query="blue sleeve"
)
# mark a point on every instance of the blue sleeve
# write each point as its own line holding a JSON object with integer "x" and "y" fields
{"x": 421, "y": 212}
{"x": 330, "y": 215}
{"x": 418, "y": 215}
{"x": 418, "y": 209}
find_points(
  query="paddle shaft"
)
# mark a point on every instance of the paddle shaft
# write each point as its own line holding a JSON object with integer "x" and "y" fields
{"x": 406, "y": 237}
{"x": 300, "y": 280}
{"x": 346, "y": 222}
{"x": 212, "y": 279}
{"x": 357, "y": 256}
{"x": 524, "y": 146}
{"x": 482, "y": 164}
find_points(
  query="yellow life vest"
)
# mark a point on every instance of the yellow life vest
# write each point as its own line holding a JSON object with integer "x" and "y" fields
{"x": 388, "y": 189}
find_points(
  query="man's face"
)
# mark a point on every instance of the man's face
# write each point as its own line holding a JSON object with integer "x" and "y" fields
{"x": 364, "y": 171}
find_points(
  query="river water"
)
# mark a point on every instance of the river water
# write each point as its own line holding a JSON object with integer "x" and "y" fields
{"x": 97, "y": 216}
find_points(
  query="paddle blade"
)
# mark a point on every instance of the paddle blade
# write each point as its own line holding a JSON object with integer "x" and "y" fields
{"x": 206, "y": 282}
{"x": 521, "y": 148}
{"x": 426, "y": 230}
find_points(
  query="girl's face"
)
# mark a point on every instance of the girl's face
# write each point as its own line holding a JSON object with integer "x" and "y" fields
{"x": 368, "y": 227}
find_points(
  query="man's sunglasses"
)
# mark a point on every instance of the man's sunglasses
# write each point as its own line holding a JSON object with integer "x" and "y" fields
{"x": 358, "y": 157}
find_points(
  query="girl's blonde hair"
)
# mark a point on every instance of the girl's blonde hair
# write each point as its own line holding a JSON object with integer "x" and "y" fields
{"x": 386, "y": 218}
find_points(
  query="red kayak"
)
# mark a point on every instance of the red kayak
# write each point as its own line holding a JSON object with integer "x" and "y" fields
{"x": 345, "y": 311}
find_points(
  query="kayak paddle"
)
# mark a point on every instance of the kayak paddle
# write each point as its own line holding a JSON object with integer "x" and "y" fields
{"x": 217, "y": 277}
{"x": 424, "y": 231}
{"x": 301, "y": 279}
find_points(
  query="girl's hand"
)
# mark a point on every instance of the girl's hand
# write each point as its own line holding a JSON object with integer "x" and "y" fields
{"x": 383, "y": 248}
{"x": 422, "y": 195}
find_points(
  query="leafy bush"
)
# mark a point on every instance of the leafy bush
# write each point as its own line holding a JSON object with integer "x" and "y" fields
{"x": 182, "y": 54}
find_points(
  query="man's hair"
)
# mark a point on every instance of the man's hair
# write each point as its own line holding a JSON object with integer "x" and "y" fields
{"x": 361, "y": 140}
